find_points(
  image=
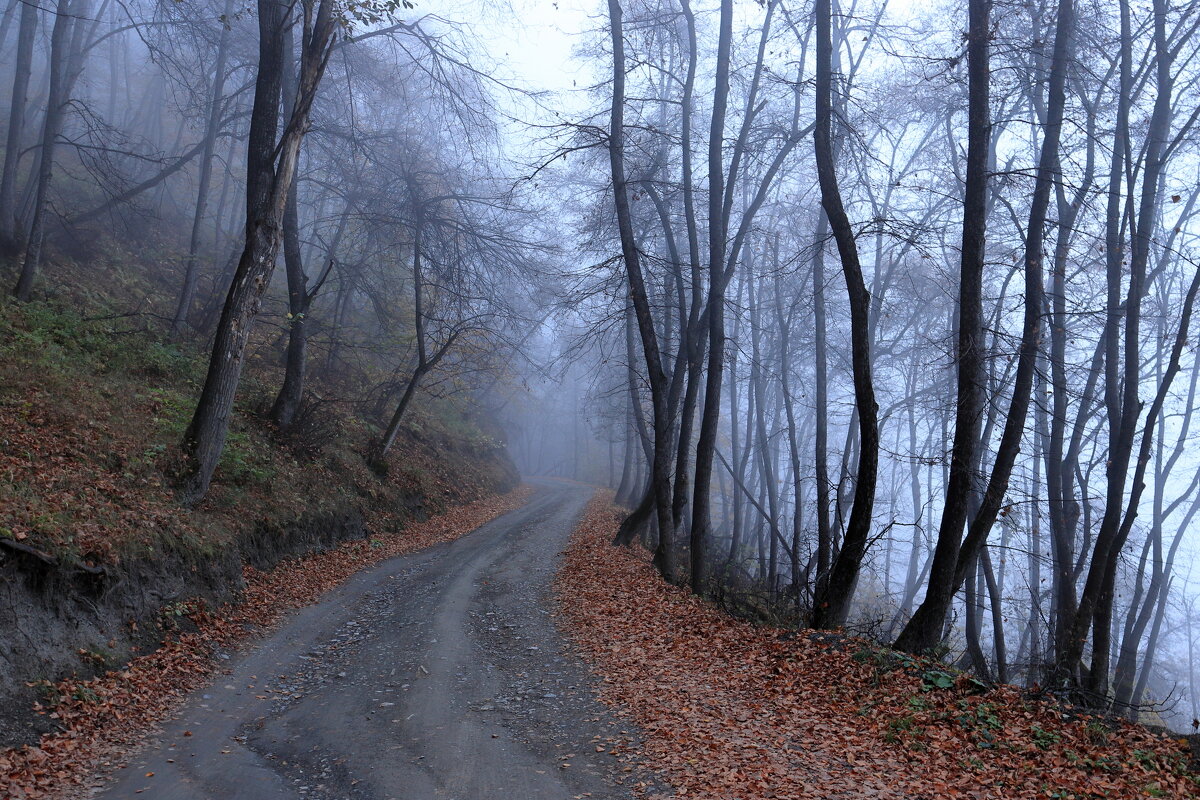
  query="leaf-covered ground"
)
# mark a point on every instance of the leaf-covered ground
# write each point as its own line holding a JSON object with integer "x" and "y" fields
{"x": 103, "y": 717}
{"x": 734, "y": 711}
{"x": 91, "y": 415}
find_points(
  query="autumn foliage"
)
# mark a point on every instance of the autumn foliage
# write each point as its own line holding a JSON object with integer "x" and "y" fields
{"x": 735, "y": 711}
{"x": 103, "y": 717}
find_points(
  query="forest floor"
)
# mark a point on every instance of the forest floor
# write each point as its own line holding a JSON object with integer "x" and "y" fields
{"x": 93, "y": 405}
{"x": 736, "y": 711}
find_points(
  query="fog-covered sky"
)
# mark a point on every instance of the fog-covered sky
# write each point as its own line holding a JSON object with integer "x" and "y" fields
{"x": 531, "y": 40}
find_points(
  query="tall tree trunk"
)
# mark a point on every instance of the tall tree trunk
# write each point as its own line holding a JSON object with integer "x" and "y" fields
{"x": 16, "y": 126}
{"x": 1094, "y": 612}
{"x": 268, "y": 181}
{"x": 660, "y": 477}
{"x": 912, "y": 578}
{"x": 1125, "y": 693}
{"x": 785, "y": 332}
{"x": 925, "y": 627}
{"x": 639, "y": 519}
{"x": 972, "y": 614}
{"x": 832, "y": 602}
{"x": 287, "y": 402}
{"x": 821, "y": 399}
{"x": 766, "y": 457}
{"x": 1060, "y": 459}
{"x": 6, "y": 20}
{"x": 212, "y": 127}
{"x": 995, "y": 598}
{"x": 56, "y": 101}
{"x": 300, "y": 299}
{"x": 692, "y": 340}
{"x": 1014, "y": 425}
{"x": 710, "y": 417}
{"x": 1033, "y": 627}
{"x": 625, "y": 487}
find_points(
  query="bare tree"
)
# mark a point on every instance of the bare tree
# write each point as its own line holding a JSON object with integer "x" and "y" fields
{"x": 832, "y": 599}
{"x": 16, "y": 125}
{"x": 271, "y": 162}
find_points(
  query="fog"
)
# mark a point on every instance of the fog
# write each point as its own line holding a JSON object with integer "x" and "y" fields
{"x": 872, "y": 315}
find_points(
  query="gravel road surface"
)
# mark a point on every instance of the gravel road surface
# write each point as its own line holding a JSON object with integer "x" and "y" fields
{"x": 435, "y": 675}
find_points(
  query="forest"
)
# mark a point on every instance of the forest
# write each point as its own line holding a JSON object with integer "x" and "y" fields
{"x": 899, "y": 334}
{"x": 875, "y": 315}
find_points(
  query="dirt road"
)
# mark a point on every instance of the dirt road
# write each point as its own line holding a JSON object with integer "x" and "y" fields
{"x": 435, "y": 675}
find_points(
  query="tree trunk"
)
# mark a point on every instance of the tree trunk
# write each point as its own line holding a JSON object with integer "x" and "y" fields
{"x": 1095, "y": 601}
{"x": 710, "y": 417}
{"x": 660, "y": 478}
{"x": 188, "y": 293}
{"x": 1014, "y": 425}
{"x": 832, "y": 601}
{"x": 16, "y": 126}
{"x": 821, "y": 388}
{"x": 287, "y": 402}
{"x": 625, "y": 487}
{"x": 300, "y": 299}
{"x": 924, "y": 628}
{"x": 994, "y": 588}
{"x": 56, "y": 102}
{"x": 635, "y": 524}
{"x": 268, "y": 181}
{"x": 785, "y": 322}
{"x": 692, "y": 342}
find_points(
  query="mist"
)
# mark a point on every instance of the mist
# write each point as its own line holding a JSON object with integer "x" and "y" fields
{"x": 872, "y": 316}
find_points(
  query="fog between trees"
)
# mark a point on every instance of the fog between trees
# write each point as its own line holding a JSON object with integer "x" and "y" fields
{"x": 875, "y": 315}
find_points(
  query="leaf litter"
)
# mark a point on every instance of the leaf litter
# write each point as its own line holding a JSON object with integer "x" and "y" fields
{"x": 736, "y": 711}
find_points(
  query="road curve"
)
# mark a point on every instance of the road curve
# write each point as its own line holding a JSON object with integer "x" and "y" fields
{"x": 434, "y": 675}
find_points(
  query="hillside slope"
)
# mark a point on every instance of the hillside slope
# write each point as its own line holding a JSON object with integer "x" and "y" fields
{"x": 95, "y": 552}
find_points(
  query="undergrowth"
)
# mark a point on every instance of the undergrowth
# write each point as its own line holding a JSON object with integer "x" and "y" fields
{"x": 94, "y": 403}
